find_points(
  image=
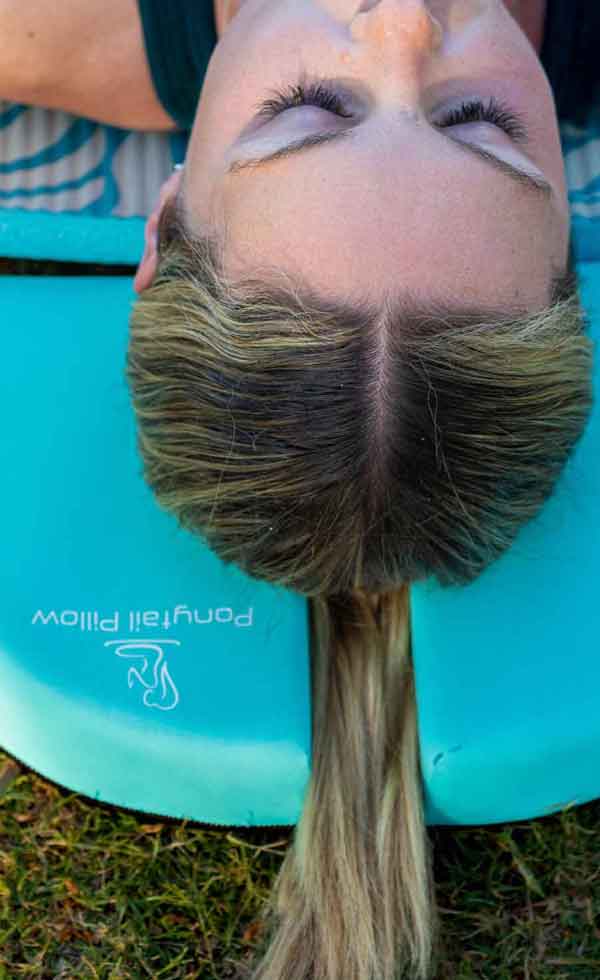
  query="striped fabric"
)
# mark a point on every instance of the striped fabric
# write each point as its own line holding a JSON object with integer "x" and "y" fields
{"x": 581, "y": 148}
{"x": 53, "y": 164}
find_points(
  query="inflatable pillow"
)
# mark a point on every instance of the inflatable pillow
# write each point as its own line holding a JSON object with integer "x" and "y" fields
{"x": 139, "y": 670}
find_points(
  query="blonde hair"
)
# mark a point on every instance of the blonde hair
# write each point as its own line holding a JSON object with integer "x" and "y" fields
{"x": 344, "y": 451}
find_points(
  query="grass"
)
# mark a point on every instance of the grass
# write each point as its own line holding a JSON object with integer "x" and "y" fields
{"x": 90, "y": 891}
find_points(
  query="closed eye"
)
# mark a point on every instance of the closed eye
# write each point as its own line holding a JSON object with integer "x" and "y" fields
{"x": 315, "y": 93}
{"x": 474, "y": 110}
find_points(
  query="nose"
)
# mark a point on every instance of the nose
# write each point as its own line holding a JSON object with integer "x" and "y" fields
{"x": 398, "y": 25}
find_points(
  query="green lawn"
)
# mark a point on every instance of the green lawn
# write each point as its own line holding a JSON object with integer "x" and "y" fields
{"x": 88, "y": 890}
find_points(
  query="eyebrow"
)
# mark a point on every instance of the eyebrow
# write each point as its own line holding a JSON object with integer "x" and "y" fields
{"x": 533, "y": 183}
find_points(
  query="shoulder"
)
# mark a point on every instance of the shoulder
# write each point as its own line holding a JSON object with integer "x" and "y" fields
{"x": 91, "y": 61}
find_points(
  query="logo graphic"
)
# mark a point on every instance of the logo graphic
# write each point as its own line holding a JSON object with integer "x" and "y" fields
{"x": 152, "y": 671}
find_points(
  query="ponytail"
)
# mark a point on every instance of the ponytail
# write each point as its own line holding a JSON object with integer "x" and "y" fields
{"x": 354, "y": 897}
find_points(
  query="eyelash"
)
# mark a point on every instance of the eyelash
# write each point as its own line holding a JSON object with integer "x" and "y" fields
{"x": 473, "y": 110}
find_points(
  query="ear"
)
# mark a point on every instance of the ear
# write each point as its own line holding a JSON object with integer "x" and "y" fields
{"x": 149, "y": 261}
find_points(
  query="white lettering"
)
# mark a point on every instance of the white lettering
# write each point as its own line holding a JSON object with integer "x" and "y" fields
{"x": 66, "y": 614}
{"x": 112, "y": 628}
{"x": 181, "y": 615}
{"x": 247, "y": 616}
{"x": 45, "y": 619}
{"x": 182, "y": 611}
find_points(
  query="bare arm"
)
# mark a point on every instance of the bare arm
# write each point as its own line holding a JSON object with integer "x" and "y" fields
{"x": 82, "y": 56}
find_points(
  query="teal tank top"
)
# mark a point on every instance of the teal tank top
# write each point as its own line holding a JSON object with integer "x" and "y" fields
{"x": 179, "y": 37}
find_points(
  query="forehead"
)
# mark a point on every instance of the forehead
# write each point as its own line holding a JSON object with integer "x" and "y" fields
{"x": 385, "y": 214}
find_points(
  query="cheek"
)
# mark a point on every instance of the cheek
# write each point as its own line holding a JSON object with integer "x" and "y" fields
{"x": 559, "y": 235}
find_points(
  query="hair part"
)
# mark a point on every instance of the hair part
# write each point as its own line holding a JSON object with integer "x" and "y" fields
{"x": 344, "y": 451}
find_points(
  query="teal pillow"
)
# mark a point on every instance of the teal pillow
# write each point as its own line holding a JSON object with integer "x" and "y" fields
{"x": 139, "y": 670}
{"x": 136, "y": 668}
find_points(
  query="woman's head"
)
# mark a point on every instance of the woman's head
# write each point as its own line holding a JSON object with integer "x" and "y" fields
{"x": 329, "y": 446}
{"x": 398, "y": 203}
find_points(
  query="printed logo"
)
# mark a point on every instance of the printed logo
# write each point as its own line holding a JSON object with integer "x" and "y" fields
{"x": 151, "y": 671}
